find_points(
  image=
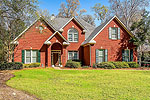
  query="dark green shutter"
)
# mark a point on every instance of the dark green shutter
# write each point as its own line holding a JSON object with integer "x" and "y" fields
{"x": 118, "y": 33}
{"x": 106, "y": 55}
{"x": 123, "y": 55}
{"x": 131, "y": 55}
{"x": 39, "y": 56}
{"x": 109, "y": 32}
{"x": 23, "y": 57}
{"x": 97, "y": 55}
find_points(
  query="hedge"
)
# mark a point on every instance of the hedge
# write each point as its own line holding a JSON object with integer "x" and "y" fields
{"x": 11, "y": 66}
{"x": 133, "y": 64}
{"x": 121, "y": 64}
{"x": 31, "y": 65}
{"x": 106, "y": 65}
{"x": 73, "y": 64}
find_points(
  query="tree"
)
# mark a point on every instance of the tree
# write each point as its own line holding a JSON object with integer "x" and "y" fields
{"x": 100, "y": 11}
{"x": 88, "y": 18}
{"x": 44, "y": 13}
{"x": 142, "y": 33}
{"x": 15, "y": 15}
{"x": 70, "y": 9}
{"x": 128, "y": 10}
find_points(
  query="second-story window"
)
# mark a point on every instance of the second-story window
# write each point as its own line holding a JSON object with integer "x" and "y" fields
{"x": 73, "y": 35}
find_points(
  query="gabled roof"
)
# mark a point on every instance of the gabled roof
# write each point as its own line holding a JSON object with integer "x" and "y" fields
{"x": 102, "y": 26}
{"x": 54, "y": 35}
{"x": 60, "y": 23}
{"x": 41, "y": 17}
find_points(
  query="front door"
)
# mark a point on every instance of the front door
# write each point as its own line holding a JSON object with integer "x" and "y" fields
{"x": 55, "y": 59}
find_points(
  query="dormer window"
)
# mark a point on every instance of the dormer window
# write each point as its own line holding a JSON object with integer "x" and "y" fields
{"x": 73, "y": 35}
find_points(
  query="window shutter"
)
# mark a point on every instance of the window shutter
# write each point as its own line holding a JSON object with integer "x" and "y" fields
{"x": 118, "y": 33}
{"x": 123, "y": 55}
{"x": 131, "y": 55}
{"x": 39, "y": 56}
{"x": 109, "y": 32}
{"x": 97, "y": 55}
{"x": 106, "y": 55}
{"x": 23, "y": 56}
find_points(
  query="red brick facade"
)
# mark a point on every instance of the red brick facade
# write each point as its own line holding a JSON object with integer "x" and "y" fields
{"x": 33, "y": 39}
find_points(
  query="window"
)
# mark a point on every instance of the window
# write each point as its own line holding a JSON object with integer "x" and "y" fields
{"x": 72, "y": 55}
{"x": 73, "y": 35}
{"x": 101, "y": 55}
{"x": 41, "y": 28}
{"x": 127, "y": 55}
{"x": 114, "y": 33}
{"x": 31, "y": 56}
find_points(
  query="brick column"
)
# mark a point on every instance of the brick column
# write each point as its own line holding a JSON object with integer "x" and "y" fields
{"x": 49, "y": 56}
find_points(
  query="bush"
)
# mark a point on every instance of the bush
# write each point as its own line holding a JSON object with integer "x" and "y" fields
{"x": 11, "y": 66}
{"x": 73, "y": 64}
{"x": 85, "y": 66}
{"x": 121, "y": 64}
{"x": 106, "y": 65}
{"x": 31, "y": 65}
{"x": 133, "y": 64}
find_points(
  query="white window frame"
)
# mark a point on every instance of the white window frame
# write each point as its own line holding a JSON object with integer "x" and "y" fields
{"x": 31, "y": 56}
{"x": 73, "y": 55}
{"x": 115, "y": 34}
{"x": 73, "y": 40}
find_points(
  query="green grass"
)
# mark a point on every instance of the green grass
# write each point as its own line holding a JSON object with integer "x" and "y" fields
{"x": 50, "y": 84}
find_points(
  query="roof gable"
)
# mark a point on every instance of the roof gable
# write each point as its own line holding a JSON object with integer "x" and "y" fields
{"x": 33, "y": 24}
{"x": 101, "y": 27}
{"x": 47, "y": 41}
{"x": 73, "y": 18}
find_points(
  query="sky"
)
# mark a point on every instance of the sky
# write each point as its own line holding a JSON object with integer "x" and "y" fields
{"x": 53, "y": 6}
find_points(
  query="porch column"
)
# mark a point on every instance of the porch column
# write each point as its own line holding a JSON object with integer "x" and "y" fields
{"x": 49, "y": 56}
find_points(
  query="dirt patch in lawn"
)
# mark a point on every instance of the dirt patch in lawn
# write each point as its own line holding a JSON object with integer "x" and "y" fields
{"x": 8, "y": 93}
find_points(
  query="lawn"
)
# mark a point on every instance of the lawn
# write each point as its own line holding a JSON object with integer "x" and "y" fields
{"x": 50, "y": 84}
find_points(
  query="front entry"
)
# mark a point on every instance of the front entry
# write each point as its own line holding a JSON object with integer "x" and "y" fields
{"x": 56, "y": 57}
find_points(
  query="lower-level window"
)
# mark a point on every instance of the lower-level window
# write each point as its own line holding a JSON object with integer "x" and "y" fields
{"x": 101, "y": 55}
{"x": 127, "y": 55}
{"x": 31, "y": 56}
{"x": 72, "y": 55}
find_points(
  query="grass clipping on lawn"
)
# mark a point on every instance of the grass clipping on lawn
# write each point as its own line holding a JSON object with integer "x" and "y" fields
{"x": 51, "y": 84}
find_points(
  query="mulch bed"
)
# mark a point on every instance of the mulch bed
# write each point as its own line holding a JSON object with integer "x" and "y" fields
{"x": 8, "y": 93}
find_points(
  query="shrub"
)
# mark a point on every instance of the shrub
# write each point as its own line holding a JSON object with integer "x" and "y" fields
{"x": 72, "y": 64}
{"x": 121, "y": 64}
{"x": 11, "y": 66}
{"x": 133, "y": 64}
{"x": 85, "y": 66}
{"x": 31, "y": 65}
{"x": 78, "y": 60}
{"x": 106, "y": 65}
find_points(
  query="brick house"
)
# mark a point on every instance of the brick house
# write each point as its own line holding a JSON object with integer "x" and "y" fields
{"x": 52, "y": 42}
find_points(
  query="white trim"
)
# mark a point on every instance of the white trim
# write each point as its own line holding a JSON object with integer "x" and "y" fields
{"x": 53, "y": 35}
{"x": 32, "y": 25}
{"x": 108, "y": 23}
{"x": 76, "y": 21}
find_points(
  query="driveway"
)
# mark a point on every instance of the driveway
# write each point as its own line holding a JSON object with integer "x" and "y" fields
{"x": 8, "y": 93}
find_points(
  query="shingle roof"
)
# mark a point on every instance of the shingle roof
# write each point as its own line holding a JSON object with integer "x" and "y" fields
{"x": 58, "y": 23}
{"x": 97, "y": 29}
